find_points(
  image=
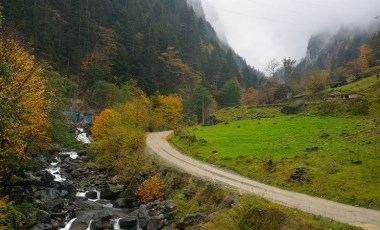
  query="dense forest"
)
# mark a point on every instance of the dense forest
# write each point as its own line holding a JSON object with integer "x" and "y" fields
{"x": 162, "y": 45}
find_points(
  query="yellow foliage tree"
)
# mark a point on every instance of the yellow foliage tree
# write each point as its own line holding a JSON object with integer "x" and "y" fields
{"x": 24, "y": 106}
{"x": 152, "y": 189}
{"x": 119, "y": 136}
{"x": 365, "y": 57}
{"x": 316, "y": 80}
{"x": 250, "y": 97}
{"x": 169, "y": 112}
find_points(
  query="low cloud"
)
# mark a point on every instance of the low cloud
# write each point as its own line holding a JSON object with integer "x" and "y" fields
{"x": 260, "y": 30}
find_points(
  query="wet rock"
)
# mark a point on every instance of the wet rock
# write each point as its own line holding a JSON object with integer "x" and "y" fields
{"x": 104, "y": 214}
{"x": 68, "y": 186}
{"x": 143, "y": 216}
{"x": 56, "y": 205}
{"x": 42, "y": 226}
{"x": 82, "y": 152}
{"x": 64, "y": 194}
{"x": 112, "y": 192}
{"x": 101, "y": 224}
{"x": 128, "y": 222}
{"x": 191, "y": 220}
{"x": 102, "y": 220}
{"x": 92, "y": 195}
{"x": 81, "y": 222}
{"x": 75, "y": 174}
{"x": 43, "y": 216}
{"x": 46, "y": 178}
{"x": 120, "y": 203}
{"x": 312, "y": 149}
{"x": 47, "y": 194}
{"x": 87, "y": 205}
{"x": 156, "y": 222}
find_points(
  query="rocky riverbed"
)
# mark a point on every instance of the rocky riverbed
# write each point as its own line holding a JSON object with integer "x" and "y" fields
{"x": 69, "y": 196}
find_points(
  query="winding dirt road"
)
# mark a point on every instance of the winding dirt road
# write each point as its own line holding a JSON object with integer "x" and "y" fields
{"x": 357, "y": 216}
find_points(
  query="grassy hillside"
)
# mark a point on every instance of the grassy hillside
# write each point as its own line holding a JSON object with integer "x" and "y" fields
{"x": 363, "y": 85}
{"x": 265, "y": 145}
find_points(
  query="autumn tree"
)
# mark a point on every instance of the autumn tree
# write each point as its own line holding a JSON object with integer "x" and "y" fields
{"x": 250, "y": 97}
{"x": 267, "y": 90}
{"x": 152, "y": 189}
{"x": 167, "y": 113}
{"x": 366, "y": 58}
{"x": 354, "y": 67}
{"x": 24, "y": 107}
{"x": 185, "y": 77}
{"x": 316, "y": 80}
{"x": 283, "y": 92}
{"x": 119, "y": 136}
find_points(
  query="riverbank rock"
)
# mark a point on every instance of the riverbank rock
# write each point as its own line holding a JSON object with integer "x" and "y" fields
{"x": 128, "y": 222}
{"x": 156, "y": 214}
{"x": 112, "y": 192}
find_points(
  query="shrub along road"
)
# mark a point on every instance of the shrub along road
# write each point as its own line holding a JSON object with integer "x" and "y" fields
{"x": 365, "y": 218}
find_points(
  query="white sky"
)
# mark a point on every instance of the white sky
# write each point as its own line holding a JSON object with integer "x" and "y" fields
{"x": 260, "y": 30}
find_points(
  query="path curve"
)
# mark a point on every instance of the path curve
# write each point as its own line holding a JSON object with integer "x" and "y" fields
{"x": 362, "y": 217}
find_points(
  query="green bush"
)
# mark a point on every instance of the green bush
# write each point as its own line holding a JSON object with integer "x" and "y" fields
{"x": 330, "y": 107}
{"x": 359, "y": 106}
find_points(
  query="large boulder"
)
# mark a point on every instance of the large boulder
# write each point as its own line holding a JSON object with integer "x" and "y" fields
{"x": 92, "y": 195}
{"x": 54, "y": 206}
{"x": 143, "y": 216}
{"x": 128, "y": 222}
{"x": 87, "y": 205}
{"x": 102, "y": 220}
{"x": 81, "y": 222}
{"x": 43, "y": 216}
{"x": 112, "y": 192}
{"x": 46, "y": 178}
{"x": 47, "y": 194}
{"x": 42, "y": 226}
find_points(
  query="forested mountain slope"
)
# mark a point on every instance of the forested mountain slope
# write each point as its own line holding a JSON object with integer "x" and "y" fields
{"x": 161, "y": 44}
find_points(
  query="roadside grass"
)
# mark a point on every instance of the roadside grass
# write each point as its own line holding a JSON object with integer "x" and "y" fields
{"x": 256, "y": 213}
{"x": 227, "y": 209}
{"x": 270, "y": 149}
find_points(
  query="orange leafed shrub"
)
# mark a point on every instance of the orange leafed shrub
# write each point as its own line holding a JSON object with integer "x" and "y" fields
{"x": 152, "y": 189}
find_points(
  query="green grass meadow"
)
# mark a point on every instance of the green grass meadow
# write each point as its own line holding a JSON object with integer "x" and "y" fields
{"x": 270, "y": 149}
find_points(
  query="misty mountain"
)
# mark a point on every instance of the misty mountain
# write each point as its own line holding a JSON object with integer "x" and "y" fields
{"x": 197, "y": 7}
{"x": 329, "y": 51}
